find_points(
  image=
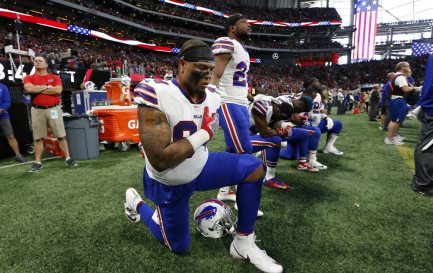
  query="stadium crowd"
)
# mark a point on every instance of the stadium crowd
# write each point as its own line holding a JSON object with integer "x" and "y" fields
{"x": 280, "y": 15}
{"x": 173, "y": 28}
{"x": 287, "y": 78}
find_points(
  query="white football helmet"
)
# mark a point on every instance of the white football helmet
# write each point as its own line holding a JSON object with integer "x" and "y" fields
{"x": 213, "y": 219}
{"x": 125, "y": 80}
{"x": 89, "y": 86}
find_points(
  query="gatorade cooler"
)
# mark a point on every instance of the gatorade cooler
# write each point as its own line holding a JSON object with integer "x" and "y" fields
{"x": 117, "y": 123}
{"x": 118, "y": 91}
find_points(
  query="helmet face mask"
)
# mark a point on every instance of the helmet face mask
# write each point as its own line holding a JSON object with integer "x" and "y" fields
{"x": 214, "y": 219}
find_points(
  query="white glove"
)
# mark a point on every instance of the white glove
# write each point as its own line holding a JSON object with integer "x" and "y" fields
{"x": 418, "y": 89}
{"x": 329, "y": 123}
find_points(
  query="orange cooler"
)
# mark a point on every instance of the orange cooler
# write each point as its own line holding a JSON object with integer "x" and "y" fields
{"x": 117, "y": 123}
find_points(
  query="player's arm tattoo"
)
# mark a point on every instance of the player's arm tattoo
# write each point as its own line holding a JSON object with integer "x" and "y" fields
{"x": 155, "y": 137}
{"x": 262, "y": 125}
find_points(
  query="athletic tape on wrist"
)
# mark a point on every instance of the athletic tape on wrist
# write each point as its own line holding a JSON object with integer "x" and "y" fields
{"x": 198, "y": 139}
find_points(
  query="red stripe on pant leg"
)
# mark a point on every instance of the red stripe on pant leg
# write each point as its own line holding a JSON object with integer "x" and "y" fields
{"x": 161, "y": 226}
{"x": 263, "y": 143}
{"x": 232, "y": 129}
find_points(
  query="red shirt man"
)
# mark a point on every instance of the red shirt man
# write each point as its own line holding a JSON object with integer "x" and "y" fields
{"x": 41, "y": 99}
{"x": 45, "y": 89}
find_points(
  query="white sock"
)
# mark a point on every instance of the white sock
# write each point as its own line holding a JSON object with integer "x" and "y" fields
{"x": 312, "y": 156}
{"x": 225, "y": 189}
{"x": 331, "y": 140}
{"x": 270, "y": 173}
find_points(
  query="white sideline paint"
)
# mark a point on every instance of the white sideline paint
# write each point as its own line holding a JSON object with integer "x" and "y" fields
{"x": 19, "y": 164}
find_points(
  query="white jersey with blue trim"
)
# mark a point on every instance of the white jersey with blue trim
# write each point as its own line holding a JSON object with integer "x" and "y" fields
{"x": 263, "y": 106}
{"x": 233, "y": 84}
{"x": 286, "y": 98}
{"x": 314, "y": 115}
{"x": 184, "y": 117}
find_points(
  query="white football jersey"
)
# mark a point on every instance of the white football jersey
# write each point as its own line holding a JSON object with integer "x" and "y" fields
{"x": 286, "y": 98}
{"x": 262, "y": 106}
{"x": 314, "y": 114}
{"x": 234, "y": 82}
{"x": 184, "y": 117}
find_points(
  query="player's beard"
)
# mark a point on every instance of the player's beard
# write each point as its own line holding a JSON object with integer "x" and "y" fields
{"x": 244, "y": 36}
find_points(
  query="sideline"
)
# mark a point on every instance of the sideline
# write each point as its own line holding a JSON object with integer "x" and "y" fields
{"x": 19, "y": 164}
{"x": 406, "y": 153}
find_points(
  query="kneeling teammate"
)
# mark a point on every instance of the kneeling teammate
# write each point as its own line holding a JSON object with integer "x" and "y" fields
{"x": 332, "y": 127}
{"x": 299, "y": 121}
{"x": 177, "y": 119}
{"x": 264, "y": 113}
{"x": 302, "y": 138}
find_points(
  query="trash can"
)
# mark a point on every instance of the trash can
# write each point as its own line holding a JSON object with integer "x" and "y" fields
{"x": 82, "y": 136}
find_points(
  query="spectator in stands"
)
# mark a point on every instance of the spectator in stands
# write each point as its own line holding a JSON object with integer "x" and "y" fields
{"x": 5, "y": 124}
{"x": 169, "y": 75}
{"x": 374, "y": 103}
{"x": 45, "y": 89}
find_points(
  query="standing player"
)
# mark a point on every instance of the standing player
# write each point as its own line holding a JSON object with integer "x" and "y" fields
{"x": 177, "y": 119}
{"x": 232, "y": 63}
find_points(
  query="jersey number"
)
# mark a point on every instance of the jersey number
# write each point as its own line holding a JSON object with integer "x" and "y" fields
{"x": 240, "y": 77}
{"x": 184, "y": 129}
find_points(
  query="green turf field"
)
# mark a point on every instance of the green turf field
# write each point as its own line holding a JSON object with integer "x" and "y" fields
{"x": 360, "y": 215}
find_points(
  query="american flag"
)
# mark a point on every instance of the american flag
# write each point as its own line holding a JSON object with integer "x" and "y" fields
{"x": 79, "y": 30}
{"x": 421, "y": 48}
{"x": 365, "y": 21}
